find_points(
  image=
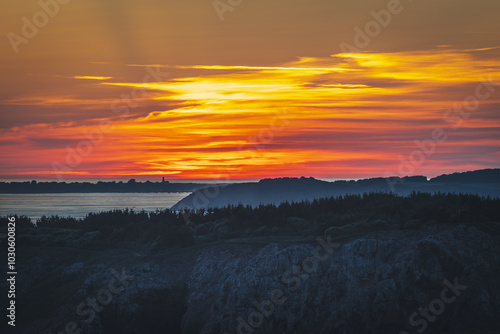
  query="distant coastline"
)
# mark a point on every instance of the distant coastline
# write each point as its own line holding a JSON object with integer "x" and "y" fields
{"x": 486, "y": 179}
{"x": 130, "y": 186}
{"x": 8, "y": 179}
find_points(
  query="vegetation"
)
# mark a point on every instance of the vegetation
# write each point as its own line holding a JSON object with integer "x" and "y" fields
{"x": 334, "y": 215}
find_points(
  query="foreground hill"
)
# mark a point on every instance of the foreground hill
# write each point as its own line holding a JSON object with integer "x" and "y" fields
{"x": 274, "y": 191}
{"x": 375, "y": 283}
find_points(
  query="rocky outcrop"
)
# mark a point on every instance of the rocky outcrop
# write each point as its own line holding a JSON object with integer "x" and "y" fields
{"x": 439, "y": 280}
{"x": 369, "y": 285}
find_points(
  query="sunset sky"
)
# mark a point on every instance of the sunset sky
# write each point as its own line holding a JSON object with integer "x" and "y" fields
{"x": 248, "y": 89}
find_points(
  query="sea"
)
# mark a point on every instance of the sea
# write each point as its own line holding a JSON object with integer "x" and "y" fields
{"x": 78, "y": 205}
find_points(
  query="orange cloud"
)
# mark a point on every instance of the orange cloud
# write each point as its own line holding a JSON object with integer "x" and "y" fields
{"x": 346, "y": 116}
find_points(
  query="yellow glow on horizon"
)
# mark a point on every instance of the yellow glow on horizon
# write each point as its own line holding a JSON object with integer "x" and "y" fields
{"x": 89, "y": 77}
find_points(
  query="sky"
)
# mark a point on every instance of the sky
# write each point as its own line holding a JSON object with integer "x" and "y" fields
{"x": 240, "y": 89}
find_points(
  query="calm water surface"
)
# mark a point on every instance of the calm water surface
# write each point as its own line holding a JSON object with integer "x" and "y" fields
{"x": 78, "y": 205}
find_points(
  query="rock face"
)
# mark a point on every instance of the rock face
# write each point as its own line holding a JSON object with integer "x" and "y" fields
{"x": 434, "y": 281}
{"x": 365, "y": 286}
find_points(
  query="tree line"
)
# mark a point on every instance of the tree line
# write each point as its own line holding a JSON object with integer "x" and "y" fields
{"x": 168, "y": 228}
